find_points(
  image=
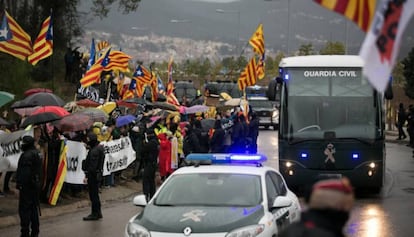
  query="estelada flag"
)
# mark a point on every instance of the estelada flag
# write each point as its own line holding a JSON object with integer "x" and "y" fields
{"x": 43, "y": 45}
{"x": 13, "y": 39}
{"x": 359, "y": 11}
{"x": 382, "y": 43}
{"x": 93, "y": 75}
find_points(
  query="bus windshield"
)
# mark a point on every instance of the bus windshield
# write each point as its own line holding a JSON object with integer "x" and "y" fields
{"x": 335, "y": 101}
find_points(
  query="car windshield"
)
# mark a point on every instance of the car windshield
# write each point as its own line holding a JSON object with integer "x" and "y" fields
{"x": 212, "y": 189}
{"x": 265, "y": 104}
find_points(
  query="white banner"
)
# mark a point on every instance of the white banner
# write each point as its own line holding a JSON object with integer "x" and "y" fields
{"x": 382, "y": 43}
{"x": 10, "y": 149}
{"x": 119, "y": 154}
{"x": 75, "y": 154}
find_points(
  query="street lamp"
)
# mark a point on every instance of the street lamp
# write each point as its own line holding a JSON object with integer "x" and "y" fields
{"x": 238, "y": 22}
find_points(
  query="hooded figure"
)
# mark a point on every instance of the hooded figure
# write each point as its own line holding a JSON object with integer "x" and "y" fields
{"x": 28, "y": 183}
{"x": 330, "y": 203}
{"x": 93, "y": 168}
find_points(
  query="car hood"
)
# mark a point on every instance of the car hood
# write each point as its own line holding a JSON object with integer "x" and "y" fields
{"x": 200, "y": 219}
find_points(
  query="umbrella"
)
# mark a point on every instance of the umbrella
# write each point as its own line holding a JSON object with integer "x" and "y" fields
{"x": 196, "y": 109}
{"x": 137, "y": 100}
{"x": 36, "y": 90}
{"x": 124, "y": 120}
{"x": 3, "y": 122}
{"x": 95, "y": 114}
{"x": 53, "y": 109}
{"x": 164, "y": 105}
{"x": 40, "y": 99}
{"x": 41, "y": 118}
{"x": 74, "y": 122}
{"x": 87, "y": 103}
{"x": 5, "y": 97}
{"x": 108, "y": 107}
{"x": 122, "y": 103}
{"x": 233, "y": 102}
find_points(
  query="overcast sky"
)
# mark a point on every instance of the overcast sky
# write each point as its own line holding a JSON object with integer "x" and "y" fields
{"x": 200, "y": 19}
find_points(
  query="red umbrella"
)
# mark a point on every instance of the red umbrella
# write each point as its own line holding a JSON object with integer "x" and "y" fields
{"x": 61, "y": 112}
{"x": 36, "y": 90}
{"x": 74, "y": 122}
{"x": 123, "y": 103}
{"x": 87, "y": 103}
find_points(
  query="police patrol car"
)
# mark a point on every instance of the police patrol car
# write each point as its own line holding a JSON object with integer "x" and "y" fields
{"x": 234, "y": 195}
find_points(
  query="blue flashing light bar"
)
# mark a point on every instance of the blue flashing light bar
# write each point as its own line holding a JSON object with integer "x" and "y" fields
{"x": 355, "y": 156}
{"x": 304, "y": 155}
{"x": 227, "y": 158}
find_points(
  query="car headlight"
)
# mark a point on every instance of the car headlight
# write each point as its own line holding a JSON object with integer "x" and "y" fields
{"x": 275, "y": 114}
{"x": 250, "y": 231}
{"x": 135, "y": 230}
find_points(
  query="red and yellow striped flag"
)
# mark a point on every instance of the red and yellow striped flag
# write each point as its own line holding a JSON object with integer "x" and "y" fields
{"x": 102, "y": 45}
{"x": 93, "y": 75}
{"x": 118, "y": 61}
{"x": 257, "y": 40}
{"x": 60, "y": 175}
{"x": 154, "y": 87}
{"x": 248, "y": 77}
{"x": 359, "y": 11}
{"x": 170, "y": 85}
{"x": 43, "y": 46}
{"x": 15, "y": 41}
{"x": 260, "y": 68}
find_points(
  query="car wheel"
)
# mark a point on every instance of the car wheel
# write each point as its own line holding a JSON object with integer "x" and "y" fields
{"x": 275, "y": 127}
{"x": 267, "y": 126}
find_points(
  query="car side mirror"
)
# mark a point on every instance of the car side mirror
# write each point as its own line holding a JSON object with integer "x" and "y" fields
{"x": 140, "y": 201}
{"x": 281, "y": 202}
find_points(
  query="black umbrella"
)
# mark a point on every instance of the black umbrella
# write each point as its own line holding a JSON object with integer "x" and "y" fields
{"x": 164, "y": 105}
{"x": 4, "y": 122}
{"x": 40, "y": 99}
{"x": 137, "y": 100}
{"x": 40, "y": 119}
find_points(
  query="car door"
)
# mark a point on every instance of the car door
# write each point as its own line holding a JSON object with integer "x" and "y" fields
{"x": 281, "y": 216}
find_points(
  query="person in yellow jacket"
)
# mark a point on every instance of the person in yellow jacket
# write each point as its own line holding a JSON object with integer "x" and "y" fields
{"x": 161, "y": 127}
{"x": 174, "y": 128}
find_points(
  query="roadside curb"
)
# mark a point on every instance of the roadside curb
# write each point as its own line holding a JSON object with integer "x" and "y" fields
{"x": 122, "y": 191}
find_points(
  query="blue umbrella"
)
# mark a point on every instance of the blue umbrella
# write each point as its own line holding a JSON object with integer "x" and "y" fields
{"x": 124, "y": 120}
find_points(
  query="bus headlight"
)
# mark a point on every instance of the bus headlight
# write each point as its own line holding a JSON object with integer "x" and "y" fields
{"x": 372, "y": 165}
{"x": 288, "y": 164}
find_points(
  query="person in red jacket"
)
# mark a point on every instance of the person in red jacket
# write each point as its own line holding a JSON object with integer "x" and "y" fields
{"x": 164, "y": 157}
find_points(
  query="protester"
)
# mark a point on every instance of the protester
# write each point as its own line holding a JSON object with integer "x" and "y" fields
{"x": 92, "y": 166}
{"x": 329, "y": 206}
{"x": 28, "y": 174}
{"x": 216, "y": 138}
{"x": 150, "y": 151}
{"x": 253, "y": 133}
{"x": 401, "y": 118}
